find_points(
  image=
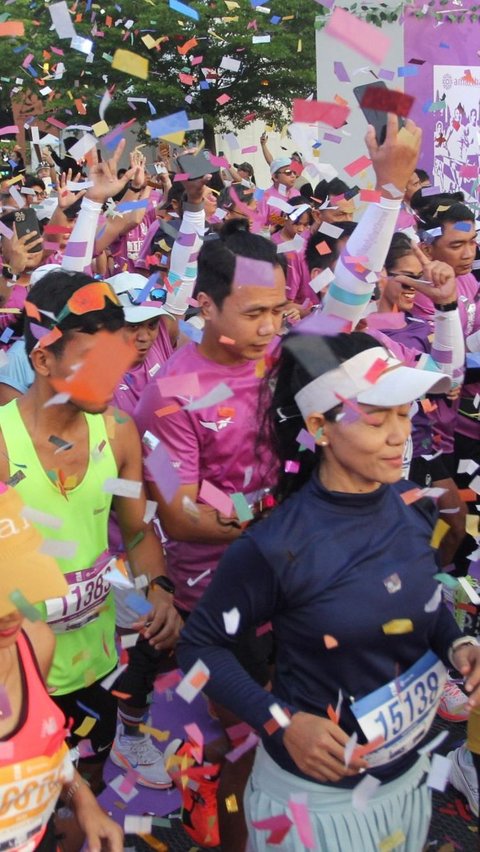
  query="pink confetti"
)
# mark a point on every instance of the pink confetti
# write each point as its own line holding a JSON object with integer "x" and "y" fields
{"x": 214, "y": 497}
{"x": 358, "y": 165}
{"x": 359, "y": 35}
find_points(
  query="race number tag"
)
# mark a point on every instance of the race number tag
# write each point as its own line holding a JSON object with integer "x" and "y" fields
{"x": 28, "y": 794}
{"x": 88, "y": 589}
{"x": 402, "y": 711}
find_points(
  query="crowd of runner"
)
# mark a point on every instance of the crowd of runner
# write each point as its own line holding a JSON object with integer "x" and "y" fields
{"x": 239, "y": 437}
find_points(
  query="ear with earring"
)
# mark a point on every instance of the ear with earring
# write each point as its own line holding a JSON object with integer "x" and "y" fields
{"x": 319, "y": 434}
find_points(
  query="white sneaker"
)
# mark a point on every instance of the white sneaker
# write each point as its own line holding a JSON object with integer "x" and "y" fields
{"x": 140, "y": 754}
{"x": 453, "y": 703}
{"x": 463, "y": 776}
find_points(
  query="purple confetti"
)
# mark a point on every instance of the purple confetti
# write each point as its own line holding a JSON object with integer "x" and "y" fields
{"x": 253, "y": 273}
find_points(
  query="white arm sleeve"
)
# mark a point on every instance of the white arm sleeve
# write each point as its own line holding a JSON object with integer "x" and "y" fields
{"x": 448, "y": 347}
{"x": 350, "y": 293}
{"x": 79, "y": 249}
{"x": 183, "y": 266}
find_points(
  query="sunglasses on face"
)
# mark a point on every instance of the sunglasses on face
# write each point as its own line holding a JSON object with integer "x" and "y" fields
{"x": 418, "y": 277}
{"x": 287, "y": 172}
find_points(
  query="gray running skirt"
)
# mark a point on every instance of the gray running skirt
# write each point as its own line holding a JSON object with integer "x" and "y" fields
{"x": 399, "y": 811}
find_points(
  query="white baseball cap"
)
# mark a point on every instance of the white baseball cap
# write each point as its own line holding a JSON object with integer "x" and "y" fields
{"x": 127, "y": 286}
{"x": 365, "y": 379}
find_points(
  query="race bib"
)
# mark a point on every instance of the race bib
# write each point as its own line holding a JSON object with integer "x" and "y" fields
{"x": 402, "y": 711}
{"x": 88, "y": 589}
{"x": 28, "y": 795}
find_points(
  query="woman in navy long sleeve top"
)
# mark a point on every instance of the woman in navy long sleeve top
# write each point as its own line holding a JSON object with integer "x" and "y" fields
{"x": 345, "y": 571}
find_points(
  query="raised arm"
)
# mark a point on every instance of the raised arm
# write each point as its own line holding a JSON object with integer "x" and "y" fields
{"x": 393, "y": 163}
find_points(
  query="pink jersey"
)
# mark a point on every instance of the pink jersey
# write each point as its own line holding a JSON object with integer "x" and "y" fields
{"x": 126, "y": 250}
{"x": 264, "y": 210}
{"x": 448, "y": 420}
{"x": 129, "y": 389}
{"x": 216, "y": 443}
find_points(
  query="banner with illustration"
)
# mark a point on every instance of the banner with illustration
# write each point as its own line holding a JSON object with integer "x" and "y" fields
{"x": 456, "y": 136}
{"x": 444, "y": 79}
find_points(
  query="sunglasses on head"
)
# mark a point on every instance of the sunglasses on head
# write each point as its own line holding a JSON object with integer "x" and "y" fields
{"x": 90, "y": 297}
{"x": 157, "y": 294}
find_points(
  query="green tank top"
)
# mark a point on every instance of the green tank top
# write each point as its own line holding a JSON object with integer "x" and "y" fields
{"x": 83, "y": 621}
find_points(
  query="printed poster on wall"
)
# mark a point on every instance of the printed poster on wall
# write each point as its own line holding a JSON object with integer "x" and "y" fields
{"x": 455, "y": 140}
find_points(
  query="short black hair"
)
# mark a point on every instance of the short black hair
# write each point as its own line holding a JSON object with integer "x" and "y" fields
{"x": 313, "y": 259}
{"x": 432, "y": 217}
{"x": 423, "y": 175}
{"x": 51, "y": 293}
{"x": 32, "y": 180}
{"x": 401, "y": 246}
{"x": 216, "y": 261}
{"x": 329, "y": 189}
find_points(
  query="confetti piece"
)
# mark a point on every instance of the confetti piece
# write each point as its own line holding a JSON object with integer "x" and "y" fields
{"x": 184, "y": 9}
{"x": 186, "y": 385}
{"x": 330, "y": 642}
{"x": 79, "y": 150}
{"x": 242, "y": 509}
{"x": 138, "y": 603}
{"x": 231, "y": 804}
{"x": 126, "y": 792}
{"x": 278, "y": 826}
{"x": 12, "y": 28}
{"x": 59, "y": 549}
{"x": 440, "y": 530}
{"x": 279, "y": 715}
{"x": 357, "y": 165}
{"x": 439, "y": 773}
{"x": 250, "y": 272}
{"x": 218, "y": 394}
{"x": 193, "y": 682}
{"x": 332, "y": 114}
{"x": 435, "y": 601}
{"x": 359, "y": 35}
{"x": 167, "y": 125}
{"x": 156, "y": 733}
{"x": 131, "y": 63}
{"x": 231, "y": 621}
{"x": 122, "y": 488}
{"x": 390, "y": 842}
{"x": 250, "y": 742}
{"x": 86, "y": 726}
{"x": 364, "y": 791}
{"x": 25, "y": 607}
{"x": 166, "y": 681}
{"x": 398, "y": 626}
{"x": 469, "y": 590}
{"x": 137, "y": 824}
{"x": 341, "y": 72}
{"x": 214, "y": 497}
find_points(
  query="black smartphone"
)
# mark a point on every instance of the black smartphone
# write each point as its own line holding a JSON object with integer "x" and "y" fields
{"x": 26, "y": 222}
{"x": 376, "y": 117}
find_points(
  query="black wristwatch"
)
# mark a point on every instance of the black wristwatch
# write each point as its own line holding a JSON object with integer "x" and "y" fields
{"x": 450, "y": 306}
{"x": 134, "y": 188}
{"x": 165, "y": 583}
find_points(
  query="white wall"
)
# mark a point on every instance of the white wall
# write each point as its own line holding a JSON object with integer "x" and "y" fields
{"x": 328, "y": 51}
